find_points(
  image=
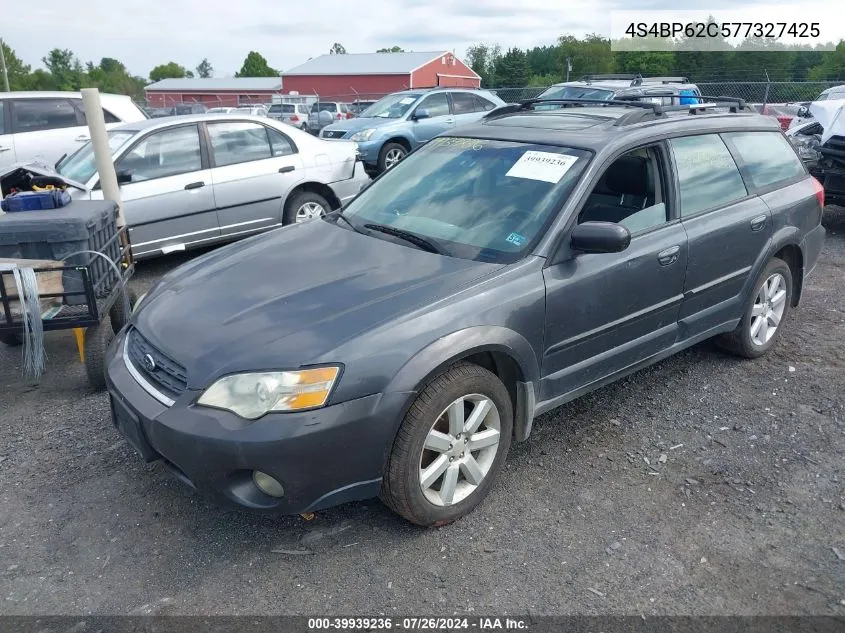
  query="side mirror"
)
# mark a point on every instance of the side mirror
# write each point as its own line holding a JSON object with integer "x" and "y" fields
{"x": 421, "y": 113}
{"x": 124, "y": 176}
{"x": 599, "y": 237}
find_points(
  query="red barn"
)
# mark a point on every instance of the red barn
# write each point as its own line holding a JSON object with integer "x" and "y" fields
{"x": 372, "y": 75}
{"x": 212, "y": 92}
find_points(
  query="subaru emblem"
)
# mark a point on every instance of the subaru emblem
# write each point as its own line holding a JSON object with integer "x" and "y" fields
{"x": 149, "y": 362}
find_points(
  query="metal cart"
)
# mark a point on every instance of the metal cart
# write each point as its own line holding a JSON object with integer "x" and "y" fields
{"x": 99, "y": 297}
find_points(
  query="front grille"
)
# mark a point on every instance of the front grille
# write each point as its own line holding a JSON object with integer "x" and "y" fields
{"x": 167, "y": 375}
{"x": 333, "y": 134}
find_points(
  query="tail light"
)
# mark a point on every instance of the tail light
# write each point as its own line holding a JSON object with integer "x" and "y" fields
{"x": 819, "y": 191}
{"x": 294, "y": 118}
{"x": 349, "y": 115}
{"x": 339, "y": 116}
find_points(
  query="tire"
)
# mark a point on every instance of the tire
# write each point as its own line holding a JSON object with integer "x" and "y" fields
{"x": 403, "y": 489}
{"x": 11, "y": 340}
{"x": 97, "y": 341}
{"x": 387, "y": 154}
{"x": 118, "y": 315}
{"x": 753, "y": 337}
{"x": 294, "y": 206}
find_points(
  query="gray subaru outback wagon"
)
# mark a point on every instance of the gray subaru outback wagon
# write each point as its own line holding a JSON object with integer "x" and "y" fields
{"x": 397, "y": 347}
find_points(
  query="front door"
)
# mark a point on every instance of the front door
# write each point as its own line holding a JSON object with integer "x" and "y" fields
{"x": 439, "y": 118}
{"x": 606, "y": 312}
{"x": 168, "y": 201}
{"x": 254, "y": 167}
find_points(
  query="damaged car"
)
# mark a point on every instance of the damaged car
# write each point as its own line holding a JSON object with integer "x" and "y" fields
{"x": 820, "y": 141}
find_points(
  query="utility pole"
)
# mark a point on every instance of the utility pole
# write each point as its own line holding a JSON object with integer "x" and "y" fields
{"x": 3, "y": 68}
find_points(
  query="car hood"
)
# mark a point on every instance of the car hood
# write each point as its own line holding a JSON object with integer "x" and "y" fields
{"x": 831, "y": 115}
{"x": 358, "y": 124}
{"x": 289, "y": 297}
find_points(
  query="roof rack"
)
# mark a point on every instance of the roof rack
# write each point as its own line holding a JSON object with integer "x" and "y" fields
{"x": 665, "y": 80}
{"x": 642, "y": 110}
{"x": 611, "y": 77}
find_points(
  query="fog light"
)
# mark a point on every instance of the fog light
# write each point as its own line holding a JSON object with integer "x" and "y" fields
{"x": 267, "y": 484}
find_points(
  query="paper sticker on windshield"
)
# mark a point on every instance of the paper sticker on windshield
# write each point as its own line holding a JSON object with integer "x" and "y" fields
{"x": 542, "y": 166}
{"x": 408, "y": 100}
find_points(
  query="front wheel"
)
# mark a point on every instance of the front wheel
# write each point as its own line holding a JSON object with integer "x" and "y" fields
{"x": 764, "y": 314}
{"x": 390, "y": 155}
{"x": 450, "y": 447}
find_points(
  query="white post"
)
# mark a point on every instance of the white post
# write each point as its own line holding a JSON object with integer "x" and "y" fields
{"x": 100, "y": 143}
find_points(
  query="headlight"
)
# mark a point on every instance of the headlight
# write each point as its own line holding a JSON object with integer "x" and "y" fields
{"x": 254, "y": 394}
{"x": 363, "y": 135}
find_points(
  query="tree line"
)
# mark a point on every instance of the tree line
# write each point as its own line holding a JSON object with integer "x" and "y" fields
{"x": 64, "y": 71}
{"x": 571, "y": 58}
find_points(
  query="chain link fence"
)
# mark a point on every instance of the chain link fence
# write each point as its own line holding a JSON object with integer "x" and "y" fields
{"x": 763, "y": 92}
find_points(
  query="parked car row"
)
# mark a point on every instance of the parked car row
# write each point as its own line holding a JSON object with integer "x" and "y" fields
{"x": 398, "y": 346}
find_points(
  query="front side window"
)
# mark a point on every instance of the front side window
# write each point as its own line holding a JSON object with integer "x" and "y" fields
{"x": 768, "y": 156}
{"x": 238, "y": 142}
{"x": 479, "y": 199}
{"x": 707, "y": 174}
{"x": 631, "y": 192}
{"x": 81, "y": 166}
{"x": 2, "y": 117}
{"x": 393, "y": 106}
{"x": 164, "y": 153}
{"x": 33, "y": 115}
{"x": 436, "y": 104}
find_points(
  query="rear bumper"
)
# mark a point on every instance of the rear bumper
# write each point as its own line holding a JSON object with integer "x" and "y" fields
{"x": 345, "y": 190}
{"x": 322, "y": 458}
{"x": 811, "y": 247}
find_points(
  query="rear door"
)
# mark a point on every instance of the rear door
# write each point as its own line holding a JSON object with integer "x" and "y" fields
{"x": 439, "y": 119}
{"x": 254, "y": 167}
{"x": 46, "y": 128}
{"x": 728, "y": 227}
{"x": 169, "y": 202}
{"x": 7, "y": 139}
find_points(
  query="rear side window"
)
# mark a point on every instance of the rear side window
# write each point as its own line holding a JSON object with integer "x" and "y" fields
{"x": 2, "y": 117}
{"x": 462, "y": 103}
{"x": 481, "y": 104}
{"x": 707, "y": 173}
{"x": 33, "y": 115}
{"x": 325, "y": 105}
{"x": 768, "y": 156}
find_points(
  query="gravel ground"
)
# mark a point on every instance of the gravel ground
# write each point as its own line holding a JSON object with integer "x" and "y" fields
{"x": 702, "y": 485}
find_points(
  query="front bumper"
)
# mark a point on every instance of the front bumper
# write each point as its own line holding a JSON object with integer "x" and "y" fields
{"x": 322, "y": 458}
{"x": 345, "y": 190}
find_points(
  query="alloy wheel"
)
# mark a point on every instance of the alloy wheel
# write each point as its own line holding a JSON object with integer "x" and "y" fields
{"x": 309, "y": 211}
{"x": 768, "y": 309}
{"x": 392, "y": 157}
{"x": 459, "y": 450}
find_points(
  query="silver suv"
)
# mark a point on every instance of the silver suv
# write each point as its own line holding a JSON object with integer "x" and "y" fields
{"x": 661, "y": 90}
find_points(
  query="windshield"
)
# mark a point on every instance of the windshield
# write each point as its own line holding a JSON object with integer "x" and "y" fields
{"x": 831, "y": 95}
{"x": 576, "y": 92}
{"x": 392, "y": 106}
{"x": 478, "y": 199}
{"x": 80, "y": 165}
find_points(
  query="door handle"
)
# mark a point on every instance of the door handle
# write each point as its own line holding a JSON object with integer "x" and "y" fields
{"x": 668, "y": 256}
{"x": 194, "y": 185}
{"x": 83, "y": 138}
{"x": 758, "y": 223}
{"x": 286, "y": 169}
{"x": 5, "y": 149}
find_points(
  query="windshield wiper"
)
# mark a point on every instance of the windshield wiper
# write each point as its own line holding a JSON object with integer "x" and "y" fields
{"x": 417, "y": 240}
{"x": 340, "y": 216}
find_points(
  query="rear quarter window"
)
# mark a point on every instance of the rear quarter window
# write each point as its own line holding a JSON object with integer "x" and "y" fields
{"x": 768, "y": 157}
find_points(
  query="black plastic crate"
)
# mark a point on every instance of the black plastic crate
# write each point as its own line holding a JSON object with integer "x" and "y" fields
{"x": 84, "y": 225}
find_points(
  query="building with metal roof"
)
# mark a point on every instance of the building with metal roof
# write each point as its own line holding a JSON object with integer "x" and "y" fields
{"x": 213, "y": 92}
{"x": 352, "y": 76}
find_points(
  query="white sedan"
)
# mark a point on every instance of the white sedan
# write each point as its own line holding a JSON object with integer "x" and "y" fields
{"x": 197, "y": 180}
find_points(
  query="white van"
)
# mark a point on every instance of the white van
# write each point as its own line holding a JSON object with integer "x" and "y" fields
{"x": 44, "y": 126}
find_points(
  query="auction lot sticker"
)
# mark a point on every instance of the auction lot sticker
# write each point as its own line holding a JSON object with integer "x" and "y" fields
{"x": 542, "y": 166}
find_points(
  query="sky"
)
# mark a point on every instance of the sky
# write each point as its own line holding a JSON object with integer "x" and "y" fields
{"x": 145, "y": 33}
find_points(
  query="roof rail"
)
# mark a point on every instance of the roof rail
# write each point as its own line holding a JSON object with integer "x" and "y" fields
{"x": 612, "y": 77}
{"x": 529, "y": 104}
{"x": 665, "y": 80}
{"x": 733, "y": 104}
